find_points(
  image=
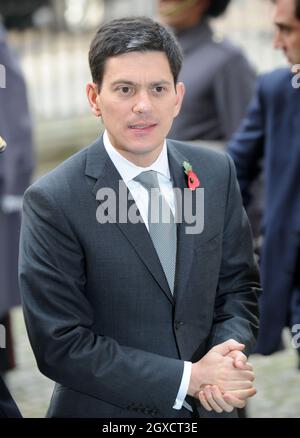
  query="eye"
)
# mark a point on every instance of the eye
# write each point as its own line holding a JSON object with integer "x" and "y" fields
{"x": 159, "y": 89}
{"x": 125, "y": 90}
{"x": 284, "y": 30}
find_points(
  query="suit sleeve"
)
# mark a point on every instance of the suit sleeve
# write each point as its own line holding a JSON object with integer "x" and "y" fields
{"x": 246, "y": 145}
{"x": 59, "y": 319}
{"x": 236, "y": 305}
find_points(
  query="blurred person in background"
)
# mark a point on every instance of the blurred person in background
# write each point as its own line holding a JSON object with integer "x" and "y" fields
{"x": 16, "y": 167}
{"x": 20, "y": 14}
{"x": 8, "y": 408}
{"x": 271, "y": 131}
{"x": 218, "y": 78}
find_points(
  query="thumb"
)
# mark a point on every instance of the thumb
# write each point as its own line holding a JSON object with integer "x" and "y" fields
{"x": 228, "y": 346}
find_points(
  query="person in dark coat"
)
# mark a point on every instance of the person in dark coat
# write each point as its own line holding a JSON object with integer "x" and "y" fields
{"x": 8, "y": 407}
{"x": 218, "y": 78}
{"x": 16, "y": 167}
{"x": 271, "y": 131}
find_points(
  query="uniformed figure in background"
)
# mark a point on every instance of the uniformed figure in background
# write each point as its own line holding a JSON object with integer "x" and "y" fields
{"x": 8, "y": 407}
{"x": 218, "y": 78}
{"x": 16, "y": 167}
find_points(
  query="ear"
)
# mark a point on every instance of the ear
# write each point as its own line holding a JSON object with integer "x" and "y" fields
{"x": 180, "y": 90}
{"x": 92, "y": 95}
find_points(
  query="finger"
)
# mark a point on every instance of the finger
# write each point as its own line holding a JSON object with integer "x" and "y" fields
{"x": 235, "y": 385}
{"x": 240, "y": 360}
{"x": 218, "y": 397}
{"x": 238, "y": 357}
{"x": 242, "y": 394}
{"x": 249, "y": 366}
{"x": 210, "y": 399}
{"x": 234, "y": 401}
{"x": 236, "y": 374}
{"x": 246, "y": 366}
{"x": 203, "y": 401}
{"x": 228, "y": 346}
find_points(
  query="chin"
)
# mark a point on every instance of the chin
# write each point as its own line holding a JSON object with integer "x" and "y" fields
{"x": 146, "y": 144}
{"x": 144, "y": 150}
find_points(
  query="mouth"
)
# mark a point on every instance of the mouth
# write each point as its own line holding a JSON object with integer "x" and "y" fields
{"x": 142, "y": 129}
{"x": 142, "y": 126}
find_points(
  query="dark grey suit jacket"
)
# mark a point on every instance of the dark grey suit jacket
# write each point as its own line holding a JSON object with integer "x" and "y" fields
{"x": 101, "y": 319}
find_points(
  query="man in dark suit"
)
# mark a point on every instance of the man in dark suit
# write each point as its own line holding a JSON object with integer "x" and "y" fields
{"x": 133, "y": 315}
{"x": 8, "y": 408}
{"x": 271, "y": 131}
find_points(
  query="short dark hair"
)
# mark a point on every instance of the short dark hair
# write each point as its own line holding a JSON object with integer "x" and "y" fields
{"x": 217, "y": 8}
{"x": 298, "y": 9}
{"x": 132, "y": 34}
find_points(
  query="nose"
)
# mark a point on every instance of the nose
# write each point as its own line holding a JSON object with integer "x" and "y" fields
{"x": 142, "y": 103}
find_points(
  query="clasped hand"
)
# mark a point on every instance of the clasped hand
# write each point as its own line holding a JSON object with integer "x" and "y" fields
{"x": 223, "y": 379}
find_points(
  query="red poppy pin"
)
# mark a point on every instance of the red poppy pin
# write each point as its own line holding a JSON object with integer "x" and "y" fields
{"x": 193, "y": 180}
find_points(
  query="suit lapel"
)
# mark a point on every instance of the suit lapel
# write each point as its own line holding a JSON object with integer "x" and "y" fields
{"x": 100, "y": 167}
{"x": 185, "y": 242}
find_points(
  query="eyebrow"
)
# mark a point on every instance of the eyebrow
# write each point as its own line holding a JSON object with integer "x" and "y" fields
{"x": 283, "y": 26}
{"x": 127, "y": 82}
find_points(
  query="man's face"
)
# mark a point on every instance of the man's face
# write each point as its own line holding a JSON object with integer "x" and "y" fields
{"x": 137, "y": 103}
{"x": 287, "y": 35}
{"x": 182, "y": 14}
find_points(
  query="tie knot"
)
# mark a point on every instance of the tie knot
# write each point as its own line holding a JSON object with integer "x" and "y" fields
{"x": 148, "y": 179}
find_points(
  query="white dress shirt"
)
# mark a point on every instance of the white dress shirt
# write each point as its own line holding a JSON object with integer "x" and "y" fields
{"x": 128, "y": 172}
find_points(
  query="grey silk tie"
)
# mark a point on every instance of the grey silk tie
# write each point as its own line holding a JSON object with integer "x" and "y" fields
{"x": 162, "y": 227}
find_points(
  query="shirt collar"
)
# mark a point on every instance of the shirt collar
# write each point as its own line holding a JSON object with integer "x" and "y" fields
{"x": 128, "y": 170}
